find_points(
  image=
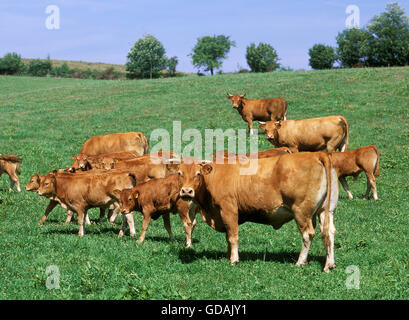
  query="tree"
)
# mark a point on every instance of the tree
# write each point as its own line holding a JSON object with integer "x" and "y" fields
{"x": 322, "y": 56}
{"x": 389, "y": 45}
{"x": 146, "y": 59}
{"x": 171, "y": 64}
{"x": 11, "y": 63}
{"x": 262, "y": 58}
{"x": 353, "y": 46}
{"x": 209, "y": 52}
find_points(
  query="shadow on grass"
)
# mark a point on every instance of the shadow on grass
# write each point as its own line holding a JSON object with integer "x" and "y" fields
{"x": 190, "y": 255}
{"x": 104, "y": 230}
{"x": 167, "y": 239}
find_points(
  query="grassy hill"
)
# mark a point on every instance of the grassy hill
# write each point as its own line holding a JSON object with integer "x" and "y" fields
{"x": 47, "y": 120}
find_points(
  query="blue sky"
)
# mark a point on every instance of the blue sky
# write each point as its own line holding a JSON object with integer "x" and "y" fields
{"x": 104, "y": 31}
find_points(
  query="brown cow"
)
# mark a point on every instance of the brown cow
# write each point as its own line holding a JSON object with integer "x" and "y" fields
{"x": 109, "y": 143}
{"x": 10, "y": 165}
{"x": 79, "y": 193}
{"x": 353, "y": 162}
{"x": 33, "y": 186}
{"x": 314, "y": 134}
{"x": 153, "y": 199}
{"x": 250, "y": 110}
{"x": 258, "y": 155}
{"x": 293, "y": 186}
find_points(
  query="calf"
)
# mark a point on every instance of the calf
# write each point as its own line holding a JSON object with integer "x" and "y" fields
{"x": 250, "y": 110}
{"x": 79, "y": 193}
{"x": 298, "y": 186}
{"x": 153, "y": 199}
{"x": 109, "y": 143}
{"x": 33, "y": 186}
{"x": 353, "y": 162}
{"x": 314, "y": 134}
{"x": 10, "y": 165}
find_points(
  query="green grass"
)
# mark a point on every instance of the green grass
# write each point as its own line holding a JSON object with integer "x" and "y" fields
{"x": 47, "y": 120}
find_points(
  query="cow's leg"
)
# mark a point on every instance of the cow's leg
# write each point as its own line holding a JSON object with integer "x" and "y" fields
{"x": 12, "y": 182}
{"x": 101, "y": 214}
{"x": 306, "y": 228}
{"x": 184, "y": 214}
{"x": 250, "y": 122}
{"x": 166, "y": 223}
{"x": 80, "y": 216}
{"x": 128, "y": 217}
{"x": 229, "y": 216}
{"x": 145, "y": 224}
{"x": 69, "y": 216}
{"x": 49, "y": 208}
{"x": 111, "y": 209}
{"x": 370, "y": 183}
{"x": 345, "y": 186}
{"x": 115, "y": 212}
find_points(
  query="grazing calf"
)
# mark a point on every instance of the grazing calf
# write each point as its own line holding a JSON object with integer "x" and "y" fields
{"x": 153, "y": 199}
{"x": 109, "y": 143}
{"x": 10, "y": 165}
{"x": 33, "y": 186}
{"x": 314, "y": 134}
{"x": 353, "y": 162}
{"x": 250, "y": 110}
{"x": 79, "y": 193}
{"x": 298, "y": 186}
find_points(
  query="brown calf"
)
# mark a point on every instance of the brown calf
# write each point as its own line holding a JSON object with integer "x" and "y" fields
{"x": 314, "y": 134}
{"x": 153, "y": 199}
{"x": 10, "y": 165}
{"x": 250, "y": 110}
{"x": 353, "y": 162}
{"x": 79, "y": 193}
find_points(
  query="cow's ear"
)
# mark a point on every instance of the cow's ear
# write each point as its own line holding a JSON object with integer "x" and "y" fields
{"x": 74, "y": 157}
{"x": 136, "y": 194}
{"x": 117, "y": 194}
{"x": 133, "y": 178}
{"x": 206, "y": 169}
{"x": 262, "y": 127}
{"x": 278, "y": 124}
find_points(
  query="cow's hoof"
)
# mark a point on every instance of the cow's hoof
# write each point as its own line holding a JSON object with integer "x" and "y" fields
{"x": 300, "y": 264}
{"x": 329, "y": 267}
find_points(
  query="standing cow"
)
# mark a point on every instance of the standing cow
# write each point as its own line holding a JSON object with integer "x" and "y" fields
{"x": 10, "y": 165}
{"x": 291, "y": 186}
{"x": 313, "y": 134}
{"x": 262, "y": 110}
{"x": 109, "y": 143}
{"x": 353, "y": 162}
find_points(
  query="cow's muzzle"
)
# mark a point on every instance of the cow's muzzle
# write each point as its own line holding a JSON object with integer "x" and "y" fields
{"x": 187, "y": 193}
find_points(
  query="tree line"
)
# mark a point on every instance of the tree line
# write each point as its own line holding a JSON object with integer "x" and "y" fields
{"x": 383, "y": 42}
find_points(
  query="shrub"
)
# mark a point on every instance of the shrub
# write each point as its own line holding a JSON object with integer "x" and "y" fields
{"x": 171, "y": 65}
{"x": 11, "y": 63}
{"x": 322, "y": 56}
{"x": 262, "y": 58}
{"x": 39, "y": 68}
{"x": 62, "y": 71}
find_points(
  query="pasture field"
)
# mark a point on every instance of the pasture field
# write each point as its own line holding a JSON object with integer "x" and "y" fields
{"x": 47, "y": 120}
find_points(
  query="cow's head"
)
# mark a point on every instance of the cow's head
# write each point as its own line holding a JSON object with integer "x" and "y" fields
{"x": 127, "y": 199}
{"x": 105, "y": 163}
{"x": 190, "y": 178}
{"x": 270, "y": 128}
{"x": 236, "y": 100}
{"x": 34, "y": 183}
{"x": 48, "y": 185}
{"x": 80, "y": 162}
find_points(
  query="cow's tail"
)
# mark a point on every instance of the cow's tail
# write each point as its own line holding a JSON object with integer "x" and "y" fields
{"x": 376, "y": 173}
{"x": 145, "y": 142}
{"x": 344, "y": 142}
{"x": 18, "y": 168}
{"x": 326, "y": 162}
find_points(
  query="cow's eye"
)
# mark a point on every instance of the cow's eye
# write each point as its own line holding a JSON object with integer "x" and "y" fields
{"x": 197, "y": 173}
{"x": 179, "y": 173}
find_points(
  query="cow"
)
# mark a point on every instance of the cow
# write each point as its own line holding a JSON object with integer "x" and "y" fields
{"x": 33, "y": 186}
{"x": 79, "y": 193}
{"x": 10, "y": 164}
{"x": 257, "y": 155}
{"x": 153, "y": 199}
{"x": 353, "y": 162}
{"x": 109, "y": 143}
{"x": 107, "y": 161}
{"x": 274, "y": 109}
{"x": 298, "y": 186}
{"x": 313, "y": 134}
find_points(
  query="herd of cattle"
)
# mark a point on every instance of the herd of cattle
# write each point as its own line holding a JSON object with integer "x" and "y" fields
{"x": 116, "y": 172}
